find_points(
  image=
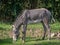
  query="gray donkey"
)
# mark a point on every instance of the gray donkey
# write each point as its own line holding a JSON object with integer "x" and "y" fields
{"x": 34, "y": 15}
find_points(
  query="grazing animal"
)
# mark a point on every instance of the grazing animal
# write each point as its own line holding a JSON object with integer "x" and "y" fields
{"x": 32, "y": 16}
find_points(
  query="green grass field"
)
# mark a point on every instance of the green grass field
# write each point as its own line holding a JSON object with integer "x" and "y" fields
{"x": 30, "y": 42}
{"x": 5, "y": 40}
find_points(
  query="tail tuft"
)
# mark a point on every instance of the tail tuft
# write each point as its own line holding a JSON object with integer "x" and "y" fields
{"x": 53, "y": 20}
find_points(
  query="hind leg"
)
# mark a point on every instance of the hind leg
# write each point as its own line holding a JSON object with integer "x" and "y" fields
{"x": 44, "y": 33}
{"x": 46, "y": 28}
{"x": 49, "y": 32}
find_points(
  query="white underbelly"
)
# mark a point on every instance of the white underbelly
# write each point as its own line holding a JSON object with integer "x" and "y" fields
{"x": 34, "y": 21}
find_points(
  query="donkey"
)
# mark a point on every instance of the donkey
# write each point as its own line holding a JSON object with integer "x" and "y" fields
{"x": 32, "y": 16}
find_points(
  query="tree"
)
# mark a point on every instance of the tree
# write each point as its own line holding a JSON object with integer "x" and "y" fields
{"x": 10, "y": 9}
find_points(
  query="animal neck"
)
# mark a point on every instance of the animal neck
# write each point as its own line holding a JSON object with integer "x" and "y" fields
{"x": 20, "y": 19}
{"x": 17, "y": 24}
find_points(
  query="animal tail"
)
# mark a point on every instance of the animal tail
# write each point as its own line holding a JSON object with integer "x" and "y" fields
{"x": 52, "y": 20}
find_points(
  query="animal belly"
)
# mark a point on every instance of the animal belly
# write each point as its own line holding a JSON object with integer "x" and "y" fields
{"x": 34, "y": 21}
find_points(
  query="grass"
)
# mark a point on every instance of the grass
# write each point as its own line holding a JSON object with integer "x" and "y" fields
{"x": 54, "y": 27}
{"x": 44, "y": 42}
{"x": 29, "y": 41}
{"x": 4, "y": 26}
{"x": 6, "y": 41}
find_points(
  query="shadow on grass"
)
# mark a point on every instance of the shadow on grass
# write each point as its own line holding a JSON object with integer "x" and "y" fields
{"x": 6, "y": 41}
{"x": 39, "y": 41}
{"x": 48, "y": 43}
{"x": 2, "y": 28}
{"x": 44, "y": 42}
{"x": 32, "y": 39}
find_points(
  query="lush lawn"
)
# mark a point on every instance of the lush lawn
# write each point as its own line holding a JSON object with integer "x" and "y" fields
{"x": 29, "y": 41}
{"x": 5, "y": 26}
{"x": 54, "y": 27}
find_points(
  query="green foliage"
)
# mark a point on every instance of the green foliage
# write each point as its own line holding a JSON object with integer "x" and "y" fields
{"x": 10, "y": 9}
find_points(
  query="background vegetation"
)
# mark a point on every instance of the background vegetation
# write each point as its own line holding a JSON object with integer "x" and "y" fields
{"x": 9, "y": 9}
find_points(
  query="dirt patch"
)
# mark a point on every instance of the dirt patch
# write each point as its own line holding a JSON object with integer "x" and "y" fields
{"x": 29, "y": 33}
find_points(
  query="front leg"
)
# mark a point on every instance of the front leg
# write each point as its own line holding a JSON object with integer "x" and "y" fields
{"x": 15, "y": 33}
{"x": 24, "y": 32}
